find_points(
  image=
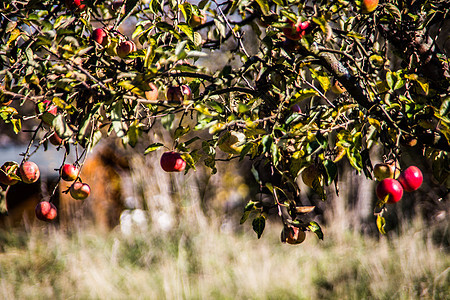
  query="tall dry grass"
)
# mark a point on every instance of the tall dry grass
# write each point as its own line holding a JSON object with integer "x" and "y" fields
{"x": 197, "y": 260}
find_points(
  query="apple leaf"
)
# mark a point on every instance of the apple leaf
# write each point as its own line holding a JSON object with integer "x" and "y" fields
{"x": 247, "y": 210}
{"x": 381, "y": 223}
{"x": 264, "y": 5}
{"x": 315, "y": 227}
{"x": 62, "y": 129}
{"x": 152, "y": 147}
{"x": 258, "y": 225}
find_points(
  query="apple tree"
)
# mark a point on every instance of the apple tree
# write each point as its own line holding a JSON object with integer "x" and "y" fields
{"x": 308, "y": 84}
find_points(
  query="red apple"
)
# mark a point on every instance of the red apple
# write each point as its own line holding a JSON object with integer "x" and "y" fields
{"x": 174, "y": 94}
{"x": 368, "y": 6}
{"x": 411, "y": 179}
{"x": 29, "y": 172}
{"x": 126, "y": 48}
{"x": 293, "y": 31}
{"x": 46, "y": 211}
{"x": 172, "y": 162}
{"x": 391, "y": 187}
{"x": 8, "y": 173}
{"x": 100, "y": 36}
{"x": 153, "y": 93}
{"x": 55, "y": 139}
{"x": 186, "y": 91}
{"x": 292, "y": 235}
{"x": 69, "y": 172}
{"x": 75, "y": 5}
{"x": 79, "y": 190}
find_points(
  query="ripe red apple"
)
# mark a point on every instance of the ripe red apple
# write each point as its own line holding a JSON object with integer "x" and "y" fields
{"x": 100, "y": 36}
{"x": 79, "y": 190}
{"x": 177, "y": 93}
{"x": 8, "y": 173}
{"x": 368, "y": 6}
{"x": 69, "y": 172}
{"x": 295, "y": 31}
{"x": 391, "y": 187}
{"x": 126, "y": 48}
{"x": 292, "y": 235}
{"x": 153, "y": 93}
{"x": 75, "y": 5}
{"x": 46, "y": 211}
{"x": 411, "y": 179}
{"x": 292, "y": 31}
{"x": 174, "y": 94}
{"x": 29, "y": 172}
{"x": 388, "y": 169}
{"x": 47, "y": 112}
{"x": 172, "y": 162}
{"x": 55, "y": 139}
{"x": 186, "y": 91}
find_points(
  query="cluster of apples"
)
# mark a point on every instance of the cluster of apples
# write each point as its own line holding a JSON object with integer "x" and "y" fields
{"x": 392, "y": 183}
{"x": 11, "y": 173}
{"x": 78, "y": 190}
{"x": 100, "y": 36}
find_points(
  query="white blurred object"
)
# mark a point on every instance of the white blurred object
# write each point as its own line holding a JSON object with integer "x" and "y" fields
{"x": 132, "y": 220}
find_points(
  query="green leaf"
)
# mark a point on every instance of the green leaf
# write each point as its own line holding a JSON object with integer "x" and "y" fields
{"x": 258, "y": 225}
{"x": 247, "y": 210}
{"x": 331, "y": 171}
{"x": 62, "y": 129}
{"x": 116, "y": 119}
{"x": 264, "y": 5}
{"x": 381, "y": 223}
{"x": 167, "y": 121}
{"x": 180, "y": 131}
{"x": 152, "y": 147}
{"x": 315, "y": 227}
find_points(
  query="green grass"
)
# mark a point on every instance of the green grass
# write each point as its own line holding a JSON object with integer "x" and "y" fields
{"x": 201, "y": 262}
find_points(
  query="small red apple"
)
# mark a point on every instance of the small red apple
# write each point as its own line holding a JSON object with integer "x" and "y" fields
{"x": 153, "y": 93}
{"x": 69, "y": 172}
{"x": 29, "y": 172}
{"x": 292, "y": 31}
{"x": 368, "y": 6}
{"x": 186, "y": 91}
{"x": 46, "y": 211}
{"x": 100, "y": 36}
{"x": 7, "y": 173}
{"x": 79, "y": 190}
{"x": 174, "y": 94}
{"x": 126, "y": 48}
{"x": 391, "y": 187}
{"x": 55, "y": 139}
{"x": 172, "y": 162}
{"x": 75, "y": 5}
{"x": 411, "y": 179}
{"x": 292, "y": 235}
